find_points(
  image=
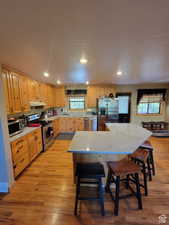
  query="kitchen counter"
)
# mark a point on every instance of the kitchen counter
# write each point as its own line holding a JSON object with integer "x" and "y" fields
{"x": 72, "y": 116}
{"x": 119, "y": 140}
{"x": 26, "y": 131}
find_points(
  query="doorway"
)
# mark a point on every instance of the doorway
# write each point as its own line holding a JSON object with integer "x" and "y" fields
{"x": 124, "y": 107}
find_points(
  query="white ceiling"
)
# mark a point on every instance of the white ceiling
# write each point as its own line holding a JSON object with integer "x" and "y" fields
{"x": 127, "y": 35}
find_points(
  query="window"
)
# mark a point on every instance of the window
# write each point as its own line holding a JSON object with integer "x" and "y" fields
{"x": 76, "y": 103}
{"x": 150, "y": 104}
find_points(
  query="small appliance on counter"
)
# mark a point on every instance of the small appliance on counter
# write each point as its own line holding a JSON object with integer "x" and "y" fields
{"x": 15, "y": 126}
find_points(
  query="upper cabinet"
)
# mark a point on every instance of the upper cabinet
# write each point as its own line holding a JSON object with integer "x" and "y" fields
{"x": 20, "y": 90}
{"x": 97, "y": 91}
{"x": 24, "y": 84}
{"x": 11, "y": 82}
{"x": 5, "y": 80}
{"x": 60, "y": 97}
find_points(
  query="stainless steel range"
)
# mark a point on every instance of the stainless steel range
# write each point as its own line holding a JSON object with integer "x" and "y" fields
{"x": 48, "y": 134}
{"x": 34, "y": 120}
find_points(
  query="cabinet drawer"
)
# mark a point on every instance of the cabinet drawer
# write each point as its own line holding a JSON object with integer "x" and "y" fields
{"x": 19, "y": 148}
{"x": 21, "y": 164}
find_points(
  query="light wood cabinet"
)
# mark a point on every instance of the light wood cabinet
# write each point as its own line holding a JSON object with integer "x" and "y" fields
{"x": 96, "y": 91}
{"x": 20, "y": 155}
{"x": 38, "y": 139}
{"x": 56, "y": 127}
{"x": 35, "y": 143}
{"x": 60, "y": 98}
{"x": 79, "y": 124}
{"x": 20, "y": 90}
{"x": 71, "y": 124}
{"x": 15, "y": 89}
{"x": 5, "y": 81}
{"x": 25, "y": 149}
{"x": 25, "y": 105}
{"x": 12, "y": 91}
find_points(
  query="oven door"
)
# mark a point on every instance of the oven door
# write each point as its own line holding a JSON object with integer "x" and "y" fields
{"x": 48, "y": 136}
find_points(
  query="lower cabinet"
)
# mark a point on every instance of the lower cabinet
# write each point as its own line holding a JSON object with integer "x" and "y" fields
{"x": 25, "y": 149}
{"x": 71, "y": 124}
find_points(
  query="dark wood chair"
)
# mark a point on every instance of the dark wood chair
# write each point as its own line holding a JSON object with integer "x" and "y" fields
{"x": 116, "y": 173}
{"x": 90, "y": 173}
{"x": 141, "y": 157}
{"x": 147, "y": 145}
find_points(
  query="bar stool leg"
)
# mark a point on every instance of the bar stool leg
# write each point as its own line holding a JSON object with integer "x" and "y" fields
{"x": 149, "y": 169}
{"x": 108, "y": 181}
{"x": 145, "y": 179}
{"x": 101, "y": 198}
{"x": 77, "y": 196}
{"x": 152, "y": 163}
{"x": 138, "y": 194}
{"x": 116, "y": 208}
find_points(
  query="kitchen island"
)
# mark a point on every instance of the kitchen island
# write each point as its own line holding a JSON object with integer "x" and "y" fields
{"x": 103, "y": 146}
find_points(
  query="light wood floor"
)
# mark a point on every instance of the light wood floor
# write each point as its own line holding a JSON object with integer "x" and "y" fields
{"x": 44, "y": 194}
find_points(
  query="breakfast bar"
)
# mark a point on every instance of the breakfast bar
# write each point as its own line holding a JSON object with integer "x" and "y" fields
{"x": 112, "y": 145}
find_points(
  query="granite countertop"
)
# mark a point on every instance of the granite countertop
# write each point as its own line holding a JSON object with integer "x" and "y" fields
{"x": 25, "y": 131}
{"x": 117, "y": 141}
{"x": 72, "y": 116}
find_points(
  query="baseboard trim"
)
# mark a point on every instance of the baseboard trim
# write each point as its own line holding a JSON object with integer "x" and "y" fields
{"x": 4, "y": 187}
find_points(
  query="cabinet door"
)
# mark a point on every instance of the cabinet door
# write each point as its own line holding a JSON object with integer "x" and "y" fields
{"x": 91, "y": 96}
{"x": 20, "y": 155}
{"x": 9, "y": 108}
{"x": 38, "y": 140}
{"x": 33, "y": 90}
{"x": 62, "y": 125}
{"x": 60, "y": 98}
{"x": 32, "y": 146}
{"x": 15, "y": 89}
{"x": 79, "y": 124}
{"x": 19, "y": 148}
{"x": 25, "y": 105}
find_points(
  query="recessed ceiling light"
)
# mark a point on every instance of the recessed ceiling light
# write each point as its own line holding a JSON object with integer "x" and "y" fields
{"x": 46, "y": 74}
{"x": 119, "y": 73}
{"x": 83, "y": 60}
{"x": 87, "y": 82}
{"x": 58, "y": 82}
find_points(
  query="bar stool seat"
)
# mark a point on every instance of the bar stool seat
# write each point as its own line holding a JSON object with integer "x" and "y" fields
{"x": 140, "y": 154}
{"x": 90, "y": 170}
{"x": 123, "y": 167}
{"x": 89, "y": 173}
{"x": 116, "y": 172}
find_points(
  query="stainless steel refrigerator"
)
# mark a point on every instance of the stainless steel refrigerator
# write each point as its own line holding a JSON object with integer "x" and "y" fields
{"x": 107, "y": 111}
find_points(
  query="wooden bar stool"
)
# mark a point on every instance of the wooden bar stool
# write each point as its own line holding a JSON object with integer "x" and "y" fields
{"x": 90, "y": 173}
{"x": 147, "y": 145}
{"x": 141, "y": 157}
{"x": 116, "y": 173}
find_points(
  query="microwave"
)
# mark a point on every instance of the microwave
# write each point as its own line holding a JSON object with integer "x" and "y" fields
{"x": 15, "y": 127}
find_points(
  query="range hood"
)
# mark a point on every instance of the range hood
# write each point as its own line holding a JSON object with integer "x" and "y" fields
{"x": 37, "y": 103}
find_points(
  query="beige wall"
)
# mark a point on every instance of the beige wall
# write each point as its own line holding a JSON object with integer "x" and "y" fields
{"x": 137, "y": 119}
